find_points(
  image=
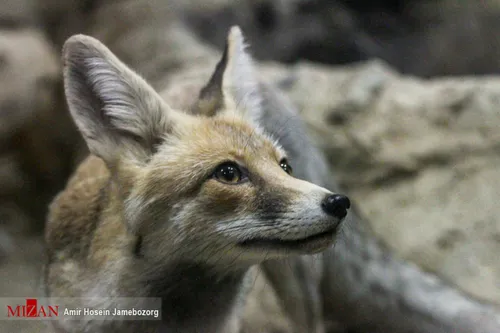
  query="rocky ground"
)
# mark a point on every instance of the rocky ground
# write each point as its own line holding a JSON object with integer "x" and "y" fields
{"x": 418, "y": 154}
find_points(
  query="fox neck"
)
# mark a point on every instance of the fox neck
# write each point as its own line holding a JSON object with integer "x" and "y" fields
{"x": 194, "y": 297}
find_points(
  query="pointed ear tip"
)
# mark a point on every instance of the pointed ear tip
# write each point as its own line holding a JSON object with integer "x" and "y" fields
{"x": 75, "y": 43}
{"x": 235, "y": 34}
{"x": 235, "y": 29}
{"x": 78, "y": 39}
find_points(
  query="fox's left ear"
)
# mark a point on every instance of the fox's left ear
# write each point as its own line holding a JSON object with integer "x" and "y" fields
{"x": 118, "y": 113}
{"x": 234, "y": 84}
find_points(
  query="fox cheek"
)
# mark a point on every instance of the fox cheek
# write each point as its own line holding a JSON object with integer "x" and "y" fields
{"x": 224, "y": 201}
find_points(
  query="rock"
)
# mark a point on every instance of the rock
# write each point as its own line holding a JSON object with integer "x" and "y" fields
{"x": 17, "y": 13}
{"x": 147, "y": 35}
{"x": 420, "y": 159}
{"x": 36, "y": 159}
{"x": 29, "y": 71}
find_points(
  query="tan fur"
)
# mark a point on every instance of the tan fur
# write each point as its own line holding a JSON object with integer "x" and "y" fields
{"x": 74, "y": 212}
{"x": 147, "y": 206}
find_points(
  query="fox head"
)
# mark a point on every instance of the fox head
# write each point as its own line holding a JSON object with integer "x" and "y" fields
{"x": 207, "y": 185}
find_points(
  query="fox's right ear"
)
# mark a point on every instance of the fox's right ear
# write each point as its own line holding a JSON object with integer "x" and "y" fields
{"x": 118, "y": 113}
{"x": 234, "y": 84}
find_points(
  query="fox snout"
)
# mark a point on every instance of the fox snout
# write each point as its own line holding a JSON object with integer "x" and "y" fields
{"x": 302, "y": 218}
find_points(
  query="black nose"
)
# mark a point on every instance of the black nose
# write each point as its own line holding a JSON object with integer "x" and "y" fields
{"x": 336, "y": 205}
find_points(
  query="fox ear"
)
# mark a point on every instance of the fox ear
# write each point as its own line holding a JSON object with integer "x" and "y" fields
{"x": 234, "y": 84}
{"x": 117, "y": 112}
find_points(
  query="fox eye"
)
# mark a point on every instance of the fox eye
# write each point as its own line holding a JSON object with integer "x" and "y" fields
{"x": 285, "y": 166}
{"x": 228, "y": 172}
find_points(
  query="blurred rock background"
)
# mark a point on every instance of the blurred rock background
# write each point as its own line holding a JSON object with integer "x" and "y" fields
{"x": 400, "y": 95}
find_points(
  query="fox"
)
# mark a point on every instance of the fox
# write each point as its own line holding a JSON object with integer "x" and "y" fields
{"x": 135, "y": 220}
{"x": 176, "y": 204}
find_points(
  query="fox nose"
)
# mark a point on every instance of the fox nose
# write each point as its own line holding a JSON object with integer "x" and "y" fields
{"x": 336, "y": 205}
